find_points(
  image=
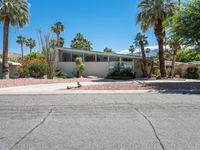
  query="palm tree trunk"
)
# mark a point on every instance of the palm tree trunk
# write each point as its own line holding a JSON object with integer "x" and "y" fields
{"x": 22, "y": 52}
{"x": 58, "y": 36}
{"x": 30, "y": 50}
{"x": 173, "y": 63}
{"x": 5, "y": 65}
{"x": 160, "y": 39}
{"x": 144, "y": 61}
{"x": 176, "y": 46}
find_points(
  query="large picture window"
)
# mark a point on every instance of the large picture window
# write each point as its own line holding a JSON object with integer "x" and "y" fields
{"x": 102, "y": 58}
{"x": 75, "y": 55}
{"x": 89, "y": 58}
{"x": 66, "y": 57}
{"x": 111, "y": 59}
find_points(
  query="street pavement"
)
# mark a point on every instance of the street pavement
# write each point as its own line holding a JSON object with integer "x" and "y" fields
{"x": 100, "y": 122}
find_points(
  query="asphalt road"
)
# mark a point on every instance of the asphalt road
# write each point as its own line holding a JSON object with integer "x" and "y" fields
{"x": 100, "y": 122}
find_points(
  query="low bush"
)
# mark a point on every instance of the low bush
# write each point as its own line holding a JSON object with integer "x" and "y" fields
{"x": 59, "y": 73}
{"x": 33, "y": 66}
{"x": 119, "y": 73}
{"x": 192, "y": 73}
{"x": 156, "y": 71}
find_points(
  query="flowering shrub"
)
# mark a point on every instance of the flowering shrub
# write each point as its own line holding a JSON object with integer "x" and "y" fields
{"x": 33, "y": 67}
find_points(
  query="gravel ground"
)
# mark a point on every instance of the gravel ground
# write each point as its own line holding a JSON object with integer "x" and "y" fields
{"x": 144, "y": 86}
{"x": 22, "y": 82}
{"x": 115, "y": 86}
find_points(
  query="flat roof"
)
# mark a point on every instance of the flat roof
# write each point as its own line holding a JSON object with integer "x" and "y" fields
{"x": 95, "y": 52}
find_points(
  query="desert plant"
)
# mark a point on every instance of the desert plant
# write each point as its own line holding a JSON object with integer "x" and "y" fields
{"x": 80, "y": 66}
{"x": 59, "y": 73}
{"x": 32, "y": 67}
{"x": 192, "y": 73}
{"x": 121, "y": 73}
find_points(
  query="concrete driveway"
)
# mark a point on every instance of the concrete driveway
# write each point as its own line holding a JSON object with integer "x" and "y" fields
{"x": 100, "y": 122}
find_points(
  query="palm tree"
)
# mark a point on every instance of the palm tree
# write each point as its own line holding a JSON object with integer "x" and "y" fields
{"x": 61, "y": 42}
{"x": 153, "y": 14}
{"x": 132, "y": 49}
{"x": 21, "y": 40}
{"x": 175, "y": 45}
{"x": 31, "y": 44}
{"x": 141, "y": 42}
{"x": 57, "y": 29}
{"x": 15, "y": 13}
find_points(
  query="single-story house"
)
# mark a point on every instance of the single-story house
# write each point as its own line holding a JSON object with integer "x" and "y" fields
{"x": 97, "y": 63}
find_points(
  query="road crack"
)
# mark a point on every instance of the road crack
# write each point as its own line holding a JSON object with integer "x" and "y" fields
{"x": 152, "y": 126}
{"x": 32, "y": 130}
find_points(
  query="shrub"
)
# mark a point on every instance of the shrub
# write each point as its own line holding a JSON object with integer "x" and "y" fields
{"x": 59, "y": 73}
{"x": 178, "y": 71}
{"x": 35, "y": 55}
{"x": 23, "y": 72}
{"x": 120, "y": 73}
{"x": 80, "y": 67}
{"x": 37, "y": 68}
{"x": 32, "y": 67}
{"x": 156, "y": 71}
{"x": 192, "y": 73}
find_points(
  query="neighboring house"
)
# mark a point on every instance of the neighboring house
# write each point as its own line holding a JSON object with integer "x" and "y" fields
{"x": 12, "y": 68}
{"x": 97, "y": 63}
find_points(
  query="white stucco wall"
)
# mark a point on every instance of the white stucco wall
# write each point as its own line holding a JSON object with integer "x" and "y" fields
{"x": 100, "y": 69}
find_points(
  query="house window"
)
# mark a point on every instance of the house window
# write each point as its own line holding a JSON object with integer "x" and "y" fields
{"x": 127, "y": 59}
{"x": 89, "y": 58}
{"x": 66, "y": 57}
{"x": 102, "y": 58}
{"x": 111, "y": 59}
{"x": 75, "y": 55}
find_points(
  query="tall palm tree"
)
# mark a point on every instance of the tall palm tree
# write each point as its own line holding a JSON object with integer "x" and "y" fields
{"x": 21, "y": 40}
{"x": 57, "y": 29}
{"x": 132, "y": 49}
{"x": 141, "y": 42}
{"x": 61, "y": 42}
{"x": 31, "y": 44}
{"x": 15, "y": 13}
{"x": 153, "y": 14}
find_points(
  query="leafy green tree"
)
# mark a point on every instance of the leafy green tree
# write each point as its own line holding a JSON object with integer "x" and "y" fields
{"x": 15, "y": 13}
{"x": 80, "y": 42}
{"x": 21, "y": 40}
{"x": 186, "y": 24}
{"x": 31, "y": 44}
{"x": 141, "y": 42}
{"x": 80, "y": 66}
{"x": 132, "y": 49}
{"x": 58, "y": 28}
{"x": 108, "y": 50}
{"x": 188, "y": 56}
{"x": 152, "y": 15}
{"x": 174, "y": 40}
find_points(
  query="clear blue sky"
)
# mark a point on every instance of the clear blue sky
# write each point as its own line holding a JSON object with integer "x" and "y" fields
{"x": 106, "y": 23}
